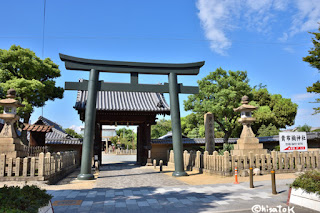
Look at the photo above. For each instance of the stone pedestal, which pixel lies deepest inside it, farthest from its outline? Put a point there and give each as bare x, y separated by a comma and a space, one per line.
10, 144
12, 147
246, 145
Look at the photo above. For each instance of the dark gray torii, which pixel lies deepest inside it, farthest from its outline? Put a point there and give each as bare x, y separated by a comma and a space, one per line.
134, 68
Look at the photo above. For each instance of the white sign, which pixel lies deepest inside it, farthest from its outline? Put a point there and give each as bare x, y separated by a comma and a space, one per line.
293, 141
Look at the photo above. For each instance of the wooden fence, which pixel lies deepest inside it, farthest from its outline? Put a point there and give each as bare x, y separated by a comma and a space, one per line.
225, 164
122, 151
49, 166
34, 151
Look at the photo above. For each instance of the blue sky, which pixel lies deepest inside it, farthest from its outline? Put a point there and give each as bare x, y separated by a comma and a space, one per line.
267, 38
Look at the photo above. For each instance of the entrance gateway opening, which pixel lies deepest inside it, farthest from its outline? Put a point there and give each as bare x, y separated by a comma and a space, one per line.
92, 118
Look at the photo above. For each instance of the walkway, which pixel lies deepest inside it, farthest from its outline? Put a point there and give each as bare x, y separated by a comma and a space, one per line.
128, 188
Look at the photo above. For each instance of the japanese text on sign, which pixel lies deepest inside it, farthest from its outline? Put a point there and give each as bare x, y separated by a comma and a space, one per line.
293, 141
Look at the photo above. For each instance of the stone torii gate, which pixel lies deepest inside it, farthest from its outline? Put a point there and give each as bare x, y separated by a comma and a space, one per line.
134, 68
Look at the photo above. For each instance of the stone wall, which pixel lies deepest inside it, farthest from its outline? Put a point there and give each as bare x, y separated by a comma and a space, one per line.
225, 164
46, 167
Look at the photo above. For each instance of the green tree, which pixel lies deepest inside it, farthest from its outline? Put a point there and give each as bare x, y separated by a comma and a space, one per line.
32, 78
162, 127
304, 128
220, 92
73, 133
193, 123
114, 140
273, 109
269, 130
127, 137
314, 60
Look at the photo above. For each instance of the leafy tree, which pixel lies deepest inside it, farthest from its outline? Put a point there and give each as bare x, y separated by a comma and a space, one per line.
304, 128
73, 133
162, 127
193, 123
314, 60
269, 130
114, 140
32, 78
273, 109
126, 137
220, 92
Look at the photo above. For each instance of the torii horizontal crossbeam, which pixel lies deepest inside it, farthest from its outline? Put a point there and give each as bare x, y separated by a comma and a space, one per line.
124, 87
75, 63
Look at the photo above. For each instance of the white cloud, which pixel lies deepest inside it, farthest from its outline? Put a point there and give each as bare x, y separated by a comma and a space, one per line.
218, 18
76, 128
303, 97
307, 17
289, 49
215, 20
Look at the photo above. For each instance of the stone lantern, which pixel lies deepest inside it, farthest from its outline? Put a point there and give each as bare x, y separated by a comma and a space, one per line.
10, 144
247, 141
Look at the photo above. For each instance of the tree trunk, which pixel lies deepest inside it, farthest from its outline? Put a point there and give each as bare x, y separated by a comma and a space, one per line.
226, 137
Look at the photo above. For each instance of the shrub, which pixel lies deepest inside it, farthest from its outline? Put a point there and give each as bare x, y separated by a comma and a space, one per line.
20, 200
309, 181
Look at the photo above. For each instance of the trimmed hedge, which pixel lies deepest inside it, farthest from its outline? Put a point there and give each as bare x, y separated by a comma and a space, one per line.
14, 199
309, 181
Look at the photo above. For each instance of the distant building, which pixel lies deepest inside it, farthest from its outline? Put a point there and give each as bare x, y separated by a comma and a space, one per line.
58, 140
107, 133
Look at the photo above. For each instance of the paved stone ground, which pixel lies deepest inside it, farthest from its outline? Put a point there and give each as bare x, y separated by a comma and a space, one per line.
128, 188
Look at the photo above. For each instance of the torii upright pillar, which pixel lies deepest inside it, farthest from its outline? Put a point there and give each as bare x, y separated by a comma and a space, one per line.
89, 129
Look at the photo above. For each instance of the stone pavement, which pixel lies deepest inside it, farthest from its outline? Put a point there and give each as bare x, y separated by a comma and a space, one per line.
129, 188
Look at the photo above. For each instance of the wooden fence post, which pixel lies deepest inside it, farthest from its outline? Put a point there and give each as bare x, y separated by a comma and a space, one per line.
17, 170
9, 174
2, 164
41, 165
25, 167
32, 166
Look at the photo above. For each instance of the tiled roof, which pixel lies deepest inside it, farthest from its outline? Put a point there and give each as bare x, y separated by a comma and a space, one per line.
68, 141
49, 123
169, 135
125, 101
37, 128
57, 135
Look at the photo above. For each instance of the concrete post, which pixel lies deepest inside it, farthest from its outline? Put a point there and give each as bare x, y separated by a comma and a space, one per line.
209, 132
87, 147
176, 126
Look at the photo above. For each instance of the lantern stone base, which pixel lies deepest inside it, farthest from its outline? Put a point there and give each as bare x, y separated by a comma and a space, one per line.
246, 145
12, 147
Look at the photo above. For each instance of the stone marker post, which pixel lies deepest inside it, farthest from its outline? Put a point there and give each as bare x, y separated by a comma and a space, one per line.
209, 132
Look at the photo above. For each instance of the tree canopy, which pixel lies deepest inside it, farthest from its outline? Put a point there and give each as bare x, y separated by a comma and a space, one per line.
73, 133
126, 138
304, 128
162, 127
274, 111
221, 92
32, 78
314, 60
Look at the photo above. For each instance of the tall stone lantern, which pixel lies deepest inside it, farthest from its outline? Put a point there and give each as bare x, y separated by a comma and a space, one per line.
10, 144
247, 141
